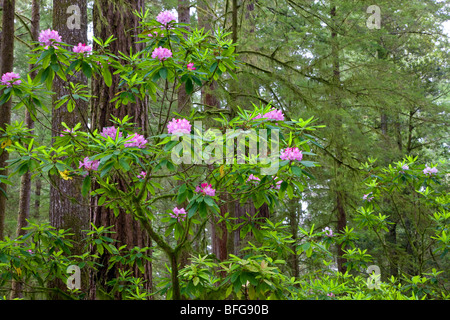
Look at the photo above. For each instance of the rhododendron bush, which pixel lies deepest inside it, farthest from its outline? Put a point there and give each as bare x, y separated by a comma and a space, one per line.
97, 157
259, 156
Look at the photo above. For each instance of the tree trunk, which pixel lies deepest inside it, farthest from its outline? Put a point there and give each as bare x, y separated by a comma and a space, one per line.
7, 60
219, 232
68, 208
25, 183
339, 175
183, 17
37, 199
209, 98
116, 18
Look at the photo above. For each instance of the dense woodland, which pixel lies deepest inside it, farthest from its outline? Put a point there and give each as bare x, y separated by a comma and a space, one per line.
351, 99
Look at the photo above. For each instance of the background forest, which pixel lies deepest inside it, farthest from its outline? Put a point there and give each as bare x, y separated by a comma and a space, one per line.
367, 105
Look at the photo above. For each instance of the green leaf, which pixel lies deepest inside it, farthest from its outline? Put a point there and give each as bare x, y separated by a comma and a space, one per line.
308, 163
45, 74
192, 210
170, 166
101, 201
213, 67
86, 187
106, 169
189, 86
107, 76
124, 164
209, 201
163, 72
296, 171
195, 281
86, 69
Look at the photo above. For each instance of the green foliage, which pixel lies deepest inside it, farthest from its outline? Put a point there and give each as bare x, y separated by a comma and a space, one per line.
407, 201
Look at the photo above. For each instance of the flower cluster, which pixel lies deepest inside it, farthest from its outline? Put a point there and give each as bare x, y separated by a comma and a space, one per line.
368, 197
206, 189
251, 177
89, 165
11, 78
161, 53
190, 66
82, 48
328, 231
137, 141
291, 154
273, 114
179, 126
155, 34
403, 168
110, 132
277, 184
70, 131
430, 171
179, 214
165, 17
142, 175
48, 37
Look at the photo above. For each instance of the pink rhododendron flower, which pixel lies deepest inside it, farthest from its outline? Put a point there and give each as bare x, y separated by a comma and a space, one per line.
68, 131
330, 294
155, 34
48, 37
206, 189
328, 231
110, 132
142, 175
273, 114
137, 141
165, 17
179, 126
430, 171
190, 66
291, 154
89, 165
161, 53
251, 177
11, 78
277, 184
82, 48
179, 214
368, 197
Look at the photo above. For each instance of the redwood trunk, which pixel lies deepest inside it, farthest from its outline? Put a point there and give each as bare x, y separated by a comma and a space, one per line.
25, 182
116, 18
7, 60
68, 208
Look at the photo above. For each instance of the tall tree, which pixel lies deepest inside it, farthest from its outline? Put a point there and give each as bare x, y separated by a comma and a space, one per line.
339, 143
209, 100
183, 17
7, 61
68, 208
117, 19
25, 184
